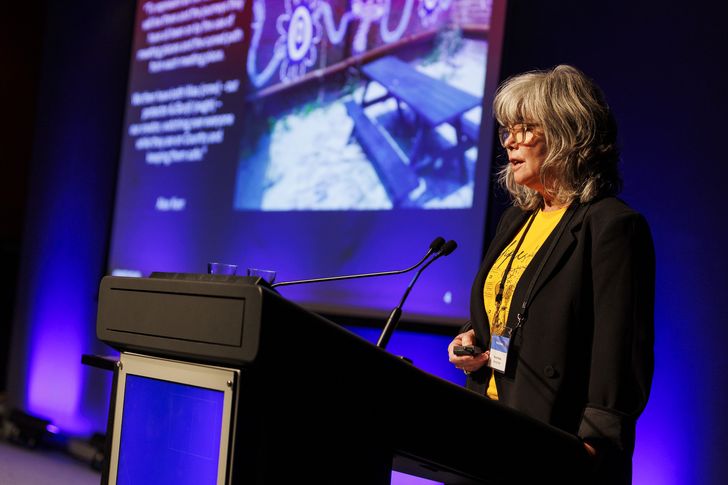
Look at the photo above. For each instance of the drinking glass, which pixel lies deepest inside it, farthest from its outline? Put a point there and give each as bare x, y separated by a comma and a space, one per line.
222, 268
266, 274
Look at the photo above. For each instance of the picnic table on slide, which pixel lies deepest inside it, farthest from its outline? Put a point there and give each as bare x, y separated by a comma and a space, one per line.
433, 102
396, 175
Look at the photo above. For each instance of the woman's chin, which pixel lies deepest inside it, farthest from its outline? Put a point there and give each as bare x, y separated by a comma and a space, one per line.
522, 179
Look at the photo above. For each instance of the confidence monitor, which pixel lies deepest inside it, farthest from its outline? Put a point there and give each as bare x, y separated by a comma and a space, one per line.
172, 422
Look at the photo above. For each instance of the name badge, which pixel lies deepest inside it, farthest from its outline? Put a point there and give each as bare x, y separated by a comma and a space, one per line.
499, 350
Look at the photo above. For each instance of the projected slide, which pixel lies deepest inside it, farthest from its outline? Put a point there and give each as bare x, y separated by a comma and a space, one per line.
293, 134
390, 120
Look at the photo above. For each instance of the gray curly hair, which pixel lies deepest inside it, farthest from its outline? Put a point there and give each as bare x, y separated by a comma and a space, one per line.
579, 130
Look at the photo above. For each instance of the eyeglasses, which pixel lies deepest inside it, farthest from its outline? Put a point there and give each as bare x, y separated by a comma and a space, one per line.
522, 133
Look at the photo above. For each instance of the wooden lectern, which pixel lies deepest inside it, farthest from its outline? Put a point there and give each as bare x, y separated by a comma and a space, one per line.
319, 404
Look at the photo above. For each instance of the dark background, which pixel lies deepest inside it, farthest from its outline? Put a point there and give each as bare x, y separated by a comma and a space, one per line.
660, 64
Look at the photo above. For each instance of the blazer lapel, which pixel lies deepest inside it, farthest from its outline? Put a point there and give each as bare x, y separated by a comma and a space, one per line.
502, 238
563, 247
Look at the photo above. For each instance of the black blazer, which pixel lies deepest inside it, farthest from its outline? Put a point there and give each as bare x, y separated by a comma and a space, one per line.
583, 359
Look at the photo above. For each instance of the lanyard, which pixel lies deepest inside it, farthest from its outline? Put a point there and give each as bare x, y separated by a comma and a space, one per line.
523, 314
501, 287
521, 317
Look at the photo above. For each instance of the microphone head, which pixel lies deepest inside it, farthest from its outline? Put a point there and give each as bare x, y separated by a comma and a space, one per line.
448, 248
437, 244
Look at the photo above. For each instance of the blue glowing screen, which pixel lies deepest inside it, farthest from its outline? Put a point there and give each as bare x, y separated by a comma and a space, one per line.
170, 433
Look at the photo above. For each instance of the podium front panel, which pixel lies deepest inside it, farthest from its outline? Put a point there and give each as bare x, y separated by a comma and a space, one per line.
172, 422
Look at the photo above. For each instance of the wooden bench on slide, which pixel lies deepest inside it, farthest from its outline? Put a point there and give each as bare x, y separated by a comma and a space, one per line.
470, 129
398, 179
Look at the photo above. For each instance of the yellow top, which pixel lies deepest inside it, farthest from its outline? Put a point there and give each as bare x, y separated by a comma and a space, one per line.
542, 226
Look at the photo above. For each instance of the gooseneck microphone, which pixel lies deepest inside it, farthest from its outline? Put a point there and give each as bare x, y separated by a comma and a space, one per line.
436, 246
393, 319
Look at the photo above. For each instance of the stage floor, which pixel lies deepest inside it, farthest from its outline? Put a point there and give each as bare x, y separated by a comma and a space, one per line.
21, 466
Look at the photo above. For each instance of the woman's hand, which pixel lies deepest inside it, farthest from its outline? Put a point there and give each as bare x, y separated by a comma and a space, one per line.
590, 449
467, 363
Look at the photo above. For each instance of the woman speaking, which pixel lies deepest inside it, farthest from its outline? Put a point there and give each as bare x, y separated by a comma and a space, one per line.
563, 303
